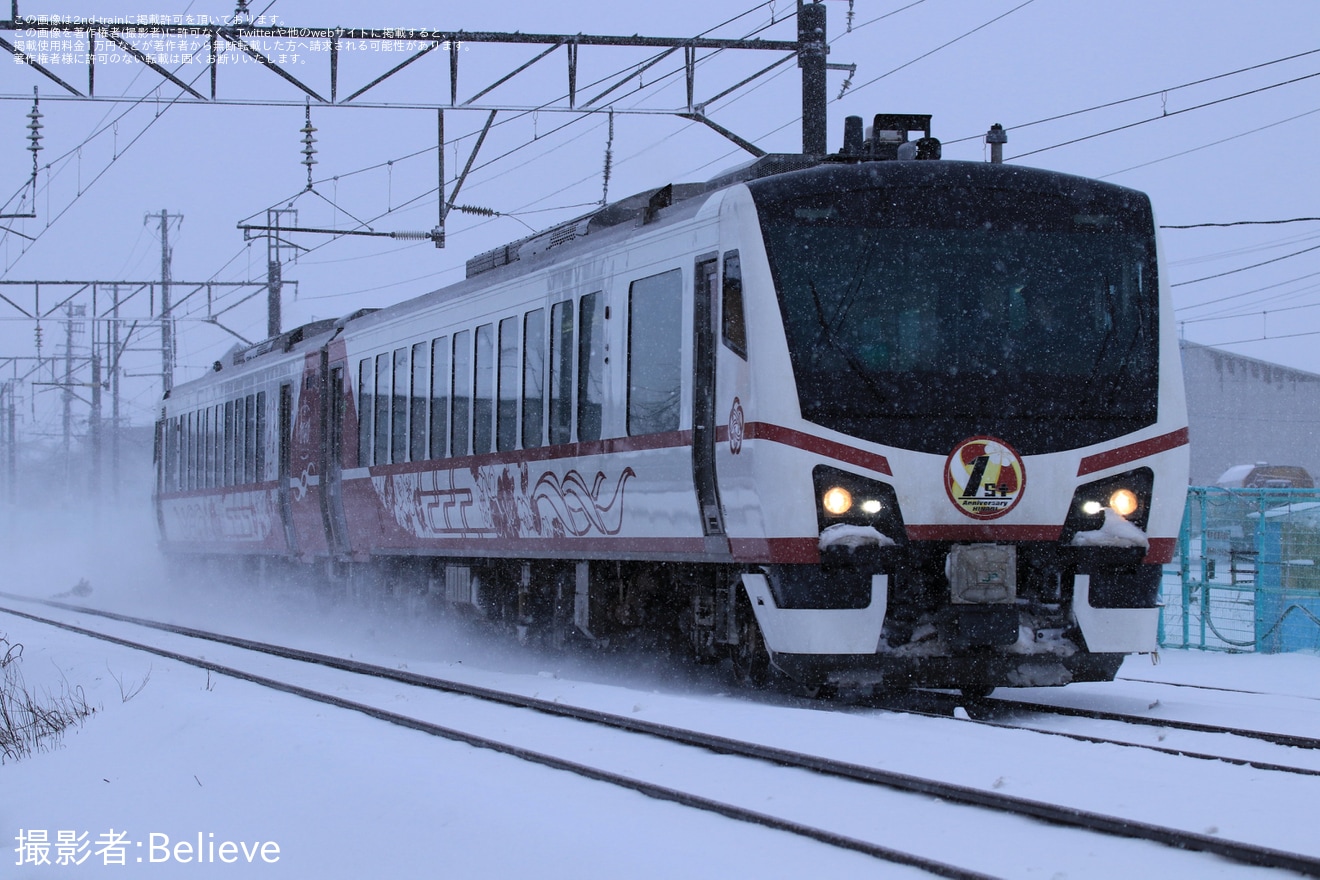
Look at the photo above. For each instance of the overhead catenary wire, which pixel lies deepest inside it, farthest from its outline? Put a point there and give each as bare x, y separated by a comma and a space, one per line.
1242, 134
1245, 268
797, 119
1143, 96
1239, 223
395, 209
1169, 114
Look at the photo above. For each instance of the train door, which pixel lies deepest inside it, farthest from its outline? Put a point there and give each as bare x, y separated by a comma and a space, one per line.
734, 407
704, 420
285, 466
332, 452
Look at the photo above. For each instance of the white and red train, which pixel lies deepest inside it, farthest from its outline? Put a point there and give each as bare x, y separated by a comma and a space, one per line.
857, 419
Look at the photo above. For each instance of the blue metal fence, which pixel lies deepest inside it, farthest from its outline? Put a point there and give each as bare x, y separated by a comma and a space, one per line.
1248, 572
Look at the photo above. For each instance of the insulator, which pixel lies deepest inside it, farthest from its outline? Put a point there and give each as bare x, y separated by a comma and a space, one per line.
475, 209
609, 160
34, 128
308, 150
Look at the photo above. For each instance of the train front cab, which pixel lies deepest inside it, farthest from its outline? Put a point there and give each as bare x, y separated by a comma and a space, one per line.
983, 444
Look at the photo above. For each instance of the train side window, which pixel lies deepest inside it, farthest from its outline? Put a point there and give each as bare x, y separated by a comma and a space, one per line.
461, 433
439, 396
240, 439
506, 411
220, 444
181, 468
180, 453
228, 476
195, 449
204, 478
533, 394
234, 461
380, 447
213, 414
399, 407
199, 449
734, 325
561, 372
655, 344
421, 374
591, 366
187, 451
365, 408
204, 447
250, 444
167, 456
483, 394
259, 453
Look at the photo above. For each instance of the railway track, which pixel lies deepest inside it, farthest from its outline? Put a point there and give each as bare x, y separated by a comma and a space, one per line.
1024, 715
988, 805
1289, 740
1208, 687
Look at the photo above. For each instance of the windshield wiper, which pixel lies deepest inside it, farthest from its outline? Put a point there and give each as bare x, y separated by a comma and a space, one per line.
849, 356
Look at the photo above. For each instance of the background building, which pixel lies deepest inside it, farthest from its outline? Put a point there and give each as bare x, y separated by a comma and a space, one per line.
1242, 410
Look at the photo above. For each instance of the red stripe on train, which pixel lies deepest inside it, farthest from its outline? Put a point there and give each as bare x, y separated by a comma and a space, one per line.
818, 445
1115, 457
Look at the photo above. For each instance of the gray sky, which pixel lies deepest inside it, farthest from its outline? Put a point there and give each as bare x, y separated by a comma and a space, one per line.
970, 63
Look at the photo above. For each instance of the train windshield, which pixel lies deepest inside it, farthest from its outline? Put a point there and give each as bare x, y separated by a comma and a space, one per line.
918, 317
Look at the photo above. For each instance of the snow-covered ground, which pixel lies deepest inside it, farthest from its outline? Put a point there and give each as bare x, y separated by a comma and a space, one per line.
342, 795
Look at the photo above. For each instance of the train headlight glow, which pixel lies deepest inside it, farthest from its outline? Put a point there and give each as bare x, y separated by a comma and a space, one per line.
1091, 508
871, 505
837, 501
1124, 502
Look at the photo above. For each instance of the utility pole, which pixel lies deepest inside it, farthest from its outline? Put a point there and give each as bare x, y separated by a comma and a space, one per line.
274, 273
67, 395
8, 425
811, 58
94, 426
113, 364
166, 319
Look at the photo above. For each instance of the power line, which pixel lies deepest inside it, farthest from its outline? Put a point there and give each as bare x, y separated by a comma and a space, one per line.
1145, 95
1167, 115
1261, 312
854, 89
1263, 338
1211, 302
1245, 268
1240, 223
941, 46
1211, 144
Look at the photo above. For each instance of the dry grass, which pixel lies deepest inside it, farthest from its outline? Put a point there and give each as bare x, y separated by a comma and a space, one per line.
31, 722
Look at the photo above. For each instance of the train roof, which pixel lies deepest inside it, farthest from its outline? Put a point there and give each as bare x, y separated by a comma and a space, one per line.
640, 209
772, 175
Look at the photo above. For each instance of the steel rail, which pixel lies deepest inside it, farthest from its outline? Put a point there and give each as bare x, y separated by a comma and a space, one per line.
1279, 739
1238, 851
954, 702
1211, 687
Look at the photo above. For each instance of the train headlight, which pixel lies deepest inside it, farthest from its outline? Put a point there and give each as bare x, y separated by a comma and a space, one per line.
837, 500
1128, 494
1124, 502
872, 505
